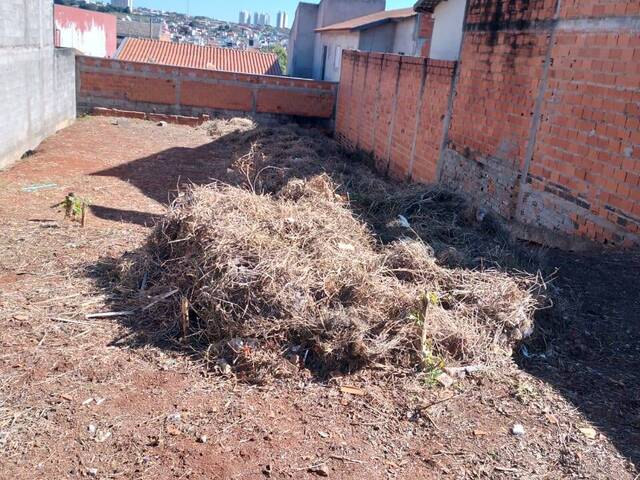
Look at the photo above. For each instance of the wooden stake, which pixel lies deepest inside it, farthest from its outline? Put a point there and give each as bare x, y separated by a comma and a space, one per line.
84, 214
184, 320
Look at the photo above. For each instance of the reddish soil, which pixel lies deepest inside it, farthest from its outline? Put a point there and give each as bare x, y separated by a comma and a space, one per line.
78, 395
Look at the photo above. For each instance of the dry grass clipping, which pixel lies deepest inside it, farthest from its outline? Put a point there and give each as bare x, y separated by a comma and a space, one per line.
220, 127
297, 275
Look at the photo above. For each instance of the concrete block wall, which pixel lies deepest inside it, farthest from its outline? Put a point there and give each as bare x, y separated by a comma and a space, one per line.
37, 82
185, 91
393, 107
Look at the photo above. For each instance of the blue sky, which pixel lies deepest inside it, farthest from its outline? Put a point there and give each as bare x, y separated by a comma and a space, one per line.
229, 9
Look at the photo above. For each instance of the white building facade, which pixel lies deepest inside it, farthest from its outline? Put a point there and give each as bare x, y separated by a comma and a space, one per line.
123, 4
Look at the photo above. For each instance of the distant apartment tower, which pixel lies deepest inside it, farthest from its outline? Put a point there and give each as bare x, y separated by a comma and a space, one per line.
123, 4
244, 18
256, 18
282, 20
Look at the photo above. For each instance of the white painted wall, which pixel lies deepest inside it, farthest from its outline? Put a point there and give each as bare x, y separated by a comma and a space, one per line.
37, 82
335, 11
336, 42
405, 41
393, 37
92, 42
447, 30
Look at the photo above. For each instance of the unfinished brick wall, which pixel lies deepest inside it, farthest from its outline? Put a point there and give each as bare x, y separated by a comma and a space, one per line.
392, 107
186, 91
493, 112
584, 176
544, 127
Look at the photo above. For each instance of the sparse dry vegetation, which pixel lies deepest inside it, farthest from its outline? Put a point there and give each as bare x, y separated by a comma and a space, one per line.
285, 265
128, 397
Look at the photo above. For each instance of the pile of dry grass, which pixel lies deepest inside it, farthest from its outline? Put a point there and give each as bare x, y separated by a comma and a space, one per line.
221, 127
270, 157
294, 273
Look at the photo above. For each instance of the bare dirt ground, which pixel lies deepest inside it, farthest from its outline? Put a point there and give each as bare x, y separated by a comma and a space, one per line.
104, 398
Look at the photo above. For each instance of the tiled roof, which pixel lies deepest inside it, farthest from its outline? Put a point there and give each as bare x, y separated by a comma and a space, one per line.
194, 56
139, 29
368, 21
426, 6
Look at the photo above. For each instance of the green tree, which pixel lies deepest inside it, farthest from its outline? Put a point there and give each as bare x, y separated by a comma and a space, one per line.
281, 52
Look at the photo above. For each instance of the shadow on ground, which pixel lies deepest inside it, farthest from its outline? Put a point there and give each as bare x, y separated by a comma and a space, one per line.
589, 349
592, 355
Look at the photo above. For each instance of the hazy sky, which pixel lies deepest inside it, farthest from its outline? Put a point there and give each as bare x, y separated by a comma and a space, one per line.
229, 9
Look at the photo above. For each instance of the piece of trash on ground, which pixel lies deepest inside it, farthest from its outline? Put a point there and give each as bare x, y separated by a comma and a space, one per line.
36, 187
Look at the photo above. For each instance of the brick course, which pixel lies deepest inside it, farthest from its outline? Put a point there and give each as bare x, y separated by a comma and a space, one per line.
182, 91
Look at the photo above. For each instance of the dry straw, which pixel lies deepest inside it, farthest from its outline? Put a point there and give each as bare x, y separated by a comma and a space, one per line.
302, 261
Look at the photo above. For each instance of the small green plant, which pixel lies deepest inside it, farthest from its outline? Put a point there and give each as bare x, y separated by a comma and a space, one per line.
431, 378
432, 364
74, 207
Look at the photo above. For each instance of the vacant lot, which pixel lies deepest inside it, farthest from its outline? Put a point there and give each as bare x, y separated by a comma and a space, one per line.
124, 398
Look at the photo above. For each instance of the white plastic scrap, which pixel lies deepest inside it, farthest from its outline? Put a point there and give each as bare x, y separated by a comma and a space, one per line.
517, 430
404, 223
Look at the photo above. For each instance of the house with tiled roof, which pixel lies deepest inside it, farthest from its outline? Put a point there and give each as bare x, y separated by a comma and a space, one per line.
195, 56
390, 31
305, 51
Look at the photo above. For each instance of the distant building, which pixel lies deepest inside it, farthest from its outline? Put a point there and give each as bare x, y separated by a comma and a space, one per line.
256, 18
195, 56
391, 31
123, 4
91, 33
245, 18
448, 20
267, 19
282, 20
305, 51
135, 29
262, 19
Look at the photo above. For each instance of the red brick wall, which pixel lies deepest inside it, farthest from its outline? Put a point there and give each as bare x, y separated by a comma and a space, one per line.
386, 109
425, 32
185, 91
543, 127
492, 115
431, 124
545, 120
392, 107
586, 162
